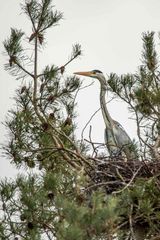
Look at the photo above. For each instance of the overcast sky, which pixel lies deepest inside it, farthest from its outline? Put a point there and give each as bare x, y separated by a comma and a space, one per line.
110, 34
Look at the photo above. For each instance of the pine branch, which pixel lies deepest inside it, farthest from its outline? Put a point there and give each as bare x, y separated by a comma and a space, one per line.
149, 54
75, 54
23, 69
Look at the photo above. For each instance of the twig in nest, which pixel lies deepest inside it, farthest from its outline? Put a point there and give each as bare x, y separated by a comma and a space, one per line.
128, 184
90, 138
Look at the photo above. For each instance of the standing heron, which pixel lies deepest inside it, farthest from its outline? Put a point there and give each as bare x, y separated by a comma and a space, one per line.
117, 140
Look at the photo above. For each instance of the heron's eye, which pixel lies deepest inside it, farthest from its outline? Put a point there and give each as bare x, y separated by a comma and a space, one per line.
96, 71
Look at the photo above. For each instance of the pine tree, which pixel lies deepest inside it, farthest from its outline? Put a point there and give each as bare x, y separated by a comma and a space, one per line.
141, 92
48, 201
65, 194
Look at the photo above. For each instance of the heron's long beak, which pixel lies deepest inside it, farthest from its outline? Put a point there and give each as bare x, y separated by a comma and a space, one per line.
87, 74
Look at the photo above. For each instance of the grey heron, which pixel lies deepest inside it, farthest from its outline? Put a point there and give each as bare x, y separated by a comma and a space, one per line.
117, 140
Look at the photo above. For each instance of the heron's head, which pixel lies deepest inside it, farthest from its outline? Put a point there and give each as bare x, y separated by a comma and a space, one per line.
93, 74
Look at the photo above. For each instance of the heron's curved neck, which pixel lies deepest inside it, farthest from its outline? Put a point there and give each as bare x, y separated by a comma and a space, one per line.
107, 118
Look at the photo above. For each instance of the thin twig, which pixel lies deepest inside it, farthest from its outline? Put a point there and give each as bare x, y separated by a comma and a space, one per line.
128, 184
32, 21
63, 66
75, 56
82, 133
24, 70
89, 122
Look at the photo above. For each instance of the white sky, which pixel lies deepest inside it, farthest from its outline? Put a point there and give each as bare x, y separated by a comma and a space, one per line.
110, 34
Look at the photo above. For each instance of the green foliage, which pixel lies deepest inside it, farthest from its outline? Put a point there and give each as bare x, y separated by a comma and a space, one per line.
149, 54
33, 199
52, 199
36, 209
56, 100
141, 92
41, 129
143, 198
41, 14
88, 222
13, 44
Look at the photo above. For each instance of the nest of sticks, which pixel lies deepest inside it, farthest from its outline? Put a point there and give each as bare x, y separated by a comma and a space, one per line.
115, 174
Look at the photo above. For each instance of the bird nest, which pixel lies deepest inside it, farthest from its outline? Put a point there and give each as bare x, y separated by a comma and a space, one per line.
117, 175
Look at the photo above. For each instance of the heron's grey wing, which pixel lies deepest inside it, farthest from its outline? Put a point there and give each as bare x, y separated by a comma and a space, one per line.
124, 142
110, 143
121, 135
